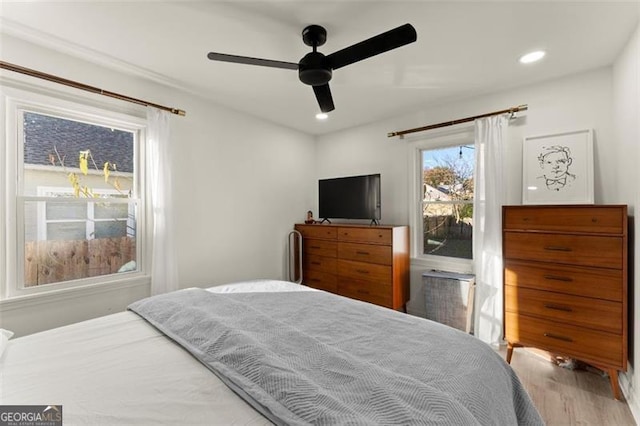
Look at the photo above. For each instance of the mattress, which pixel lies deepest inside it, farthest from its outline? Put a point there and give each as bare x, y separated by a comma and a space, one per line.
119, 369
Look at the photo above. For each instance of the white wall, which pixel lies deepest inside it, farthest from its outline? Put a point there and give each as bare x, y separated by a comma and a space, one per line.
575, 102
626, 119
240, 185
571, 103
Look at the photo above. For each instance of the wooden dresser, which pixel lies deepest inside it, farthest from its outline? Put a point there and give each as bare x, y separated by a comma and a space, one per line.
565, 282
369, 263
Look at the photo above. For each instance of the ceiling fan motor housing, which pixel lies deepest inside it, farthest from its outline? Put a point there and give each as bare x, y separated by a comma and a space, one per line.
314, 70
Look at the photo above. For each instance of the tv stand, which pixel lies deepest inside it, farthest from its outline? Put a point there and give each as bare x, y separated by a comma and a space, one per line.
374, 222
358, 261
323, 220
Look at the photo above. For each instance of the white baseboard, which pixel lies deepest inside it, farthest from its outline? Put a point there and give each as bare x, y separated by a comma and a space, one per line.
627, 390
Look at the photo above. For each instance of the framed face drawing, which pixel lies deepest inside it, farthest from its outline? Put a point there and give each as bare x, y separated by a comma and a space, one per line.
558, 168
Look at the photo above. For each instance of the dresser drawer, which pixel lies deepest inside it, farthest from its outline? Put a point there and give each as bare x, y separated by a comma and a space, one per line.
364, 271
579, 281
320, 280
365, 253
603, 220
320, 263
317, 231
580, 311
371, 235
582, 250
375, 292
320, 247
593, 346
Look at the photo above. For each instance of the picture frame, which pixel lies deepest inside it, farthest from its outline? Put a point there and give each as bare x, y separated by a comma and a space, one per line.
558, 168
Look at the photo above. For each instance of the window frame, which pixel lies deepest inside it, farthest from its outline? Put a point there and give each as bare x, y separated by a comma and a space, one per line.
32, 99
446, 138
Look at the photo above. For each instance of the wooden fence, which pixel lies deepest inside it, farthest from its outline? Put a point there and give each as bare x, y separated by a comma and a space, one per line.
55, 261
446, 227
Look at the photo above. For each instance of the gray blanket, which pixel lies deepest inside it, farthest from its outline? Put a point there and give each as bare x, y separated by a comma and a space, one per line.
314, 358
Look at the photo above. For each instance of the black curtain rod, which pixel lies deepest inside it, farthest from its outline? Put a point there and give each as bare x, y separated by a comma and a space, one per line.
401, 133
81, 86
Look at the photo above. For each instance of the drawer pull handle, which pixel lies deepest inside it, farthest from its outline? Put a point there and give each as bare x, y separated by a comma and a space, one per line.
361, 291
557, 248
557, 278
315, 263
314, 247
555, 336
558, 307
315, 280
364, 253
362, 271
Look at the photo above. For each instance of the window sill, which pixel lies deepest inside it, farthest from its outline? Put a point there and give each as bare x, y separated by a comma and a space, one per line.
464, 266
19, 302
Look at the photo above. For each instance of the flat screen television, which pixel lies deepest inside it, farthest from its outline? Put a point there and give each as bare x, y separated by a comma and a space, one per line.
351, 197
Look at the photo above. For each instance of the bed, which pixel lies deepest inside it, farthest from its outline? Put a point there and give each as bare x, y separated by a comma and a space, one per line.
262, 352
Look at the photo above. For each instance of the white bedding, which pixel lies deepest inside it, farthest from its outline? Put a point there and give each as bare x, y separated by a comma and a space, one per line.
257, 286
119, 370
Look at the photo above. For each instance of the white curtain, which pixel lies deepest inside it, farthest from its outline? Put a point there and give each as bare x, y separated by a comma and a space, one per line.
164, 270
489, 197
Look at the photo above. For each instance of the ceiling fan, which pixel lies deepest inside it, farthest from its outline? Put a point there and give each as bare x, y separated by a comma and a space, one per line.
315, 69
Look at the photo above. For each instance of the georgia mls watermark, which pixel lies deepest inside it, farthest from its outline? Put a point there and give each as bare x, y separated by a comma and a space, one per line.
30, 415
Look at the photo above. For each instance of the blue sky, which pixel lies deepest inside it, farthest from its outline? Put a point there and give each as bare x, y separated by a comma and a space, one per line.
437, 157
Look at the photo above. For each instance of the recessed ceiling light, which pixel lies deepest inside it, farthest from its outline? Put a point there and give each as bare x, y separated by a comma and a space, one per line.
532, 57
322, 116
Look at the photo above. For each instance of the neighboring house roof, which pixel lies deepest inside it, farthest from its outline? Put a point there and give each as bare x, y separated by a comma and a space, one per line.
435, 194
44, 135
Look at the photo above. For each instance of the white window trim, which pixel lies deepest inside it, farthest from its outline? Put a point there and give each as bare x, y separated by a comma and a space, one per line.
452, 136
79, 109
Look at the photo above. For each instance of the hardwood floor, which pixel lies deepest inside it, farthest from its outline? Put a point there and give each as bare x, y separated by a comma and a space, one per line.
568, 397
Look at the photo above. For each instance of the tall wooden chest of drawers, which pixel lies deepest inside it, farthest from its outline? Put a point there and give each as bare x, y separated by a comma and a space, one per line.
369, 263
565, 282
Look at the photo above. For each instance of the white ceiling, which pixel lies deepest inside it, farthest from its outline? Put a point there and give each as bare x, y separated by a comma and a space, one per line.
463, 49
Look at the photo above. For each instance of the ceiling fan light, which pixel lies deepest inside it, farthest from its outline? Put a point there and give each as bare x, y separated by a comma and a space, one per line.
532, 57
322, 116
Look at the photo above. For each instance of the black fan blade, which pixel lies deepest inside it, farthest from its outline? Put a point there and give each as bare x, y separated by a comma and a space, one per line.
323, 95
384, 42
251, 61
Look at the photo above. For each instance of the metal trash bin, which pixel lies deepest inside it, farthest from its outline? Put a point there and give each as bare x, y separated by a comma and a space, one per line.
449, 298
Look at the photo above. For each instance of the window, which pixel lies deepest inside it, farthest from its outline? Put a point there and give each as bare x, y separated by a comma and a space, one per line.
442, 219
447, 201
77, 201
